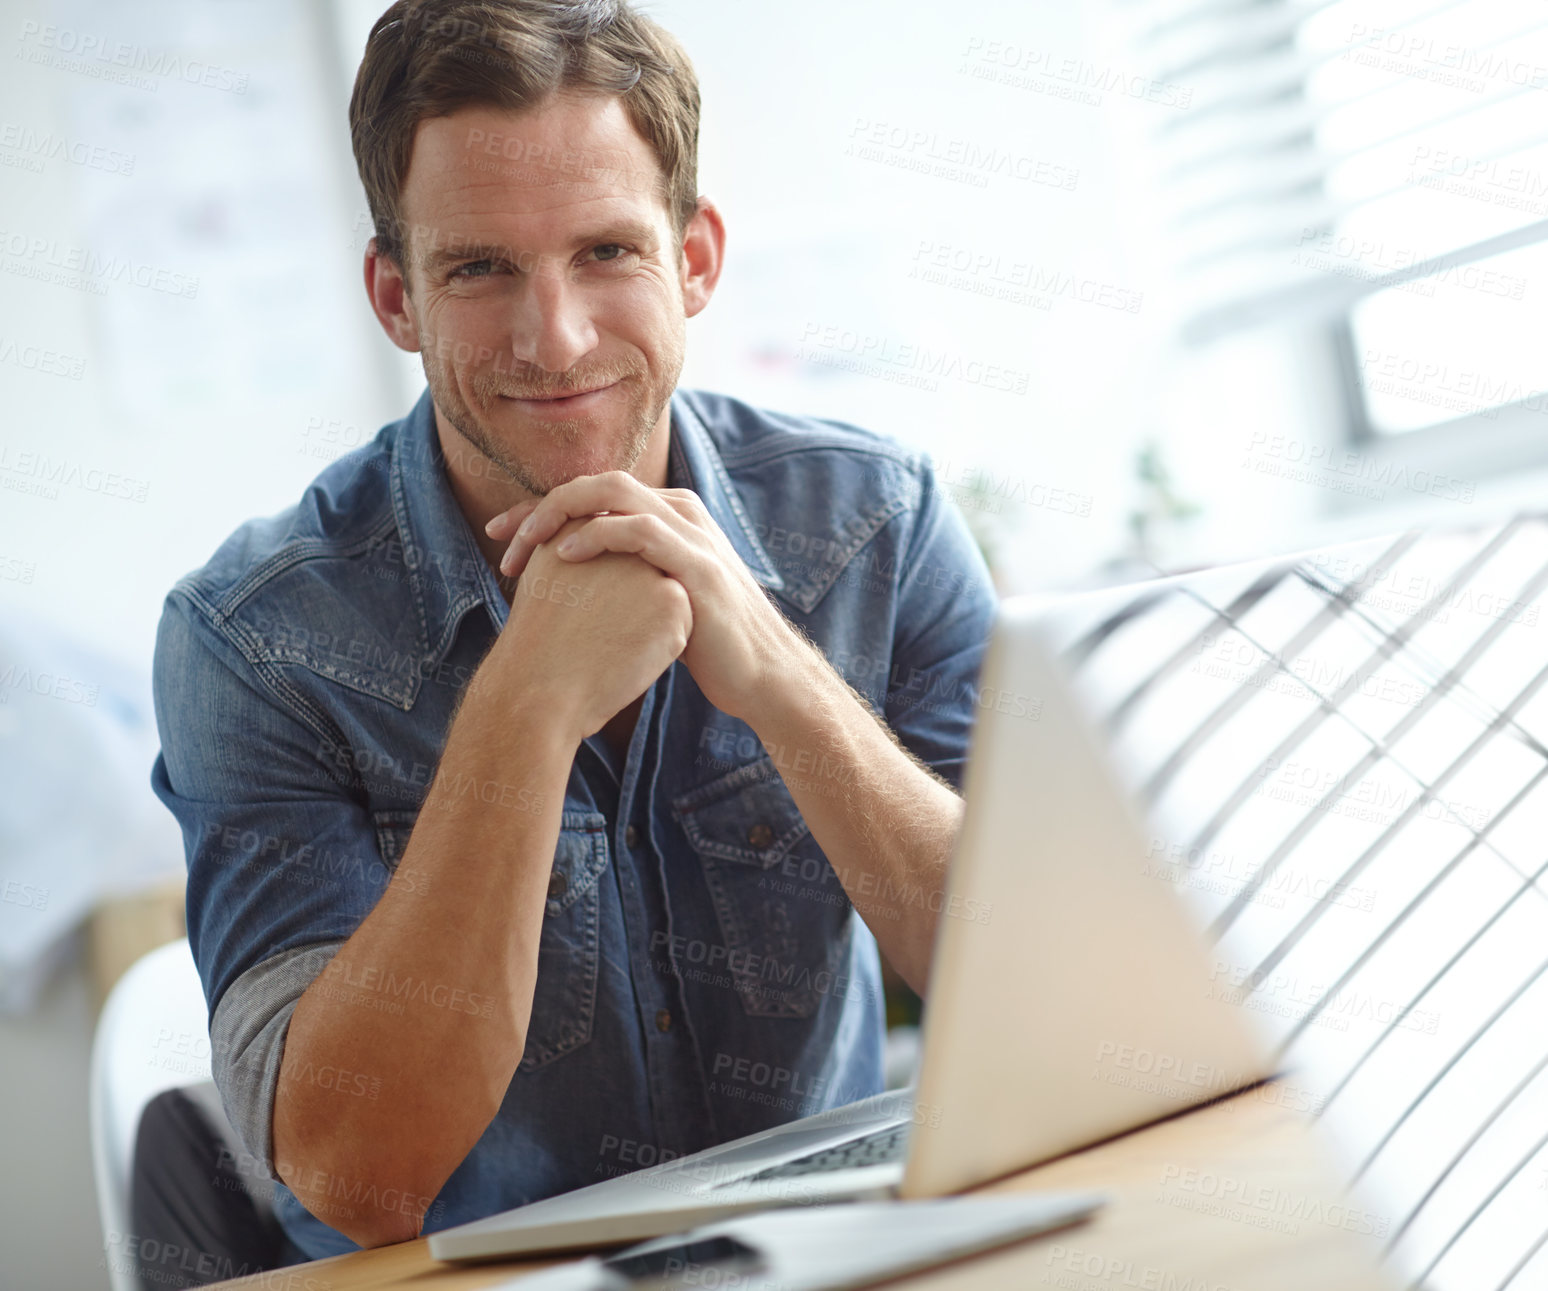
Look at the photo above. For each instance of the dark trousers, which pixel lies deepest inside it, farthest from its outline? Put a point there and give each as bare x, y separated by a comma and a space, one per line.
194, 1218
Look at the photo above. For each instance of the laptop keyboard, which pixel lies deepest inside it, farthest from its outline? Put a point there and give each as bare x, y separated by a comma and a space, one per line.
880, 1147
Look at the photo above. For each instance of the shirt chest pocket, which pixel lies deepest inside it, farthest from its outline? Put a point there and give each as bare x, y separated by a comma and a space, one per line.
565, 1000
782, 913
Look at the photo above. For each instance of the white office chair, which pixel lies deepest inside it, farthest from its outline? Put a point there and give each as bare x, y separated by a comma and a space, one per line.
153, 1035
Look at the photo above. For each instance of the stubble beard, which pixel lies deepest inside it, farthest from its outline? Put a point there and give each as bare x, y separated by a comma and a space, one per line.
648, 401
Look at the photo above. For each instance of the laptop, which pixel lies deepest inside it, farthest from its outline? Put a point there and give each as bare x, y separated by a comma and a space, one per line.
1071, 1003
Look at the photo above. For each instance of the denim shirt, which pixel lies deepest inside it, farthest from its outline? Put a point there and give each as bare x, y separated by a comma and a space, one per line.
701, 973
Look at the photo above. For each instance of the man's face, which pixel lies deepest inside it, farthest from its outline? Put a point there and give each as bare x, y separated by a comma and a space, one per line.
545, 285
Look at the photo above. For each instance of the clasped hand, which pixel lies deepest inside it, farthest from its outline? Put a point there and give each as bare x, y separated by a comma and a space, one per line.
738, 637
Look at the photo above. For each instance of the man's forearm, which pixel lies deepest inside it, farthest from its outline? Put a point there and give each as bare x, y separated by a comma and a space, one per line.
430, 998
885, 821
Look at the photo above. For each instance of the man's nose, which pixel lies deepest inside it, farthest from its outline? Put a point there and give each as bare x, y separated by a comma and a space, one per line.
552, 326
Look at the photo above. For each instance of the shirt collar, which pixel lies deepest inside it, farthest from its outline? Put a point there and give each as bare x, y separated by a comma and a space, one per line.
694, 462
446, 570
448, 573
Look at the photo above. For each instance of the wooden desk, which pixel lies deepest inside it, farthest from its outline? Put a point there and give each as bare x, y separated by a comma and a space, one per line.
1237, 1196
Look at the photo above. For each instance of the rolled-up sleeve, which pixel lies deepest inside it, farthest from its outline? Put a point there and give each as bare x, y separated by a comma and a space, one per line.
946, 610
283, 862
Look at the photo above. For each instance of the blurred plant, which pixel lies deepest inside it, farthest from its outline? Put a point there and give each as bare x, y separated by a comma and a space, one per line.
979, 507
1160, 507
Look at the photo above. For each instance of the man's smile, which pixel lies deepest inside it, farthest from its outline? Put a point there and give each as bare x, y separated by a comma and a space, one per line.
561, 404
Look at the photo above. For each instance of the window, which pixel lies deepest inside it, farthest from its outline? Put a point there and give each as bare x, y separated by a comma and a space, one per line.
1380, 170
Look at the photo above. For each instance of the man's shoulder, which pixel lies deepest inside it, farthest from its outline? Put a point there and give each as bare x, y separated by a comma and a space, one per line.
322, 584
830, 503
746, 435
344, 513
813, 474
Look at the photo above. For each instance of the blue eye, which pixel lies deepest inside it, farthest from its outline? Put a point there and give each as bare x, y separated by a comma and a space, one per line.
474, 269
608, 251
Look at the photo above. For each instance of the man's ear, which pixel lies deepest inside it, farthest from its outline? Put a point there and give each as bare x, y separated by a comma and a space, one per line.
704, 253
388, 292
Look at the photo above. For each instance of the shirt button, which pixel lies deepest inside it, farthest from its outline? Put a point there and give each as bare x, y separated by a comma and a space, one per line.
631, 836
760, 836
557, 885
663, 1020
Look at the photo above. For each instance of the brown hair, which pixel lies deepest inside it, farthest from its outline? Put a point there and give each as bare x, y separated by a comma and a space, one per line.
428, 58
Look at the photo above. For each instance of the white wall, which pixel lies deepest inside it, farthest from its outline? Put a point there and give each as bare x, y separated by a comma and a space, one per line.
199, 388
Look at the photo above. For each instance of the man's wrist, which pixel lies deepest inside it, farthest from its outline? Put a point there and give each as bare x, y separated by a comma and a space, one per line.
798, 683
542, 708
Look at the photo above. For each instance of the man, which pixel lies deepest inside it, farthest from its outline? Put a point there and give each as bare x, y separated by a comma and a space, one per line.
531, 838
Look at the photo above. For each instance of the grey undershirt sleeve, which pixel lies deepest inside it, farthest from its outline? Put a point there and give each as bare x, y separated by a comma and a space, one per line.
247, 1040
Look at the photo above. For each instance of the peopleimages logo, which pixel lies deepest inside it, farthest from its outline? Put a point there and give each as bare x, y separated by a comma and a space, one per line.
29, 471
37, 358
1026, 67
51, 685
1346, 470
1486, 179
950, 157
39, 147
1424, 57
32, 256
1018, 282
870, 354
95, 55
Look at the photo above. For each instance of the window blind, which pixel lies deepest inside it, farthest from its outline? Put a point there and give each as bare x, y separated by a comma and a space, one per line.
1334, 152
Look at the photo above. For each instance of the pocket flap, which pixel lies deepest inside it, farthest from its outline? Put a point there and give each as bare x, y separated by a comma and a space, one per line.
579, 859
745, 815
392, 833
